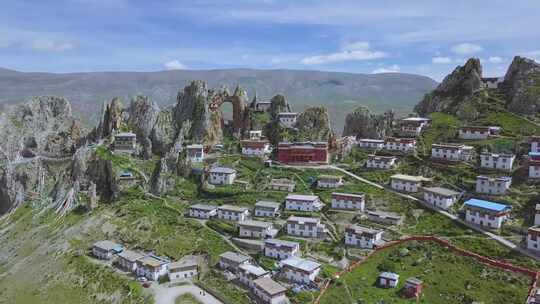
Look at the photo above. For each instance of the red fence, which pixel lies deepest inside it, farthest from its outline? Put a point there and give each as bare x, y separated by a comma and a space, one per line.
429, 238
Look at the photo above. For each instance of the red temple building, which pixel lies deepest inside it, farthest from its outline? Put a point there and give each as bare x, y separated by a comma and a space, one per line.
303, 153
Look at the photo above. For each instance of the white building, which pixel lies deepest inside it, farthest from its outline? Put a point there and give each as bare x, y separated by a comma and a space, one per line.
298, 270
297, 202
382, 217
363, 237
534, 168
282, 184
440, 197
203, 211
248, 273
287, 119
535, 144
258, 148
452, 152
195, 153
413, 126
222, 176
152, 267
406, 183
493, 185
267, 209
309, 227
503, 162
105, 250
533, 238
125, 142
233, 213
485, 213
388, 280
255, 134
374, 144
232, 260
348, 201
492, 82
279, 249
329, 181
184, 269
404, 145
537, 215
127, 260
269, 291
256, 229
475, 132
381, 162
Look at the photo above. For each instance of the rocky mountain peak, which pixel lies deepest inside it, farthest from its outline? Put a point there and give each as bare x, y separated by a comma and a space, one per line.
521, 86
362, 123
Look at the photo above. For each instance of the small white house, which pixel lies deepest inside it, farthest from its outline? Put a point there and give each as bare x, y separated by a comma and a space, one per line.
203, 211
485, 213
287, 119
105, 250
258, 148
440, 197
282, 184
535, 144
329, 181
388, 280
475, 132
309, 203
248, 273
406, 183
269, 291
184, 269
452, 152
493, 185
381, 162
255, 134
537, 215
404, 145
280, 249
306, 227
363, 237
533, 238
125, 142
256, 229
222, 176
534, 168
503, 162
127, 260
413, 126
233, 213
267, 209
348, 201
232, 260
372, 144
195, 153
299, 270
152, 267
386, 218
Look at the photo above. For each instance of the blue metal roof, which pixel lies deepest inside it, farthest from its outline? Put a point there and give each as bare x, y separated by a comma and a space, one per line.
486, 205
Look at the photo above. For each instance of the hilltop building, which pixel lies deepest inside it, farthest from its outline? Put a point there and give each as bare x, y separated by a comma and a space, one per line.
348, 201
475, 132
503, 162
493, 185
440, 197
485, 213
381, 162
298, 202
309, 227
363, 237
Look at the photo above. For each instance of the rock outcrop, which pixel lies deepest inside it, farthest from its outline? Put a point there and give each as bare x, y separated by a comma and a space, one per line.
455, 91
111, 119
313, 125
521, 86
361, 123
159, 182
278, 104
141, 119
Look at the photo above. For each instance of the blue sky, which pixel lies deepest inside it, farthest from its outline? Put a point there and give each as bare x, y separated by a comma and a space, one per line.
427, 37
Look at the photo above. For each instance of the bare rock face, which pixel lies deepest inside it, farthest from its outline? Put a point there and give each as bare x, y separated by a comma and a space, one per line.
521, 86
141, 119
363, 124
313, 125
16, 181
454, 90
111, 119
159, 183
278, 104
42, 126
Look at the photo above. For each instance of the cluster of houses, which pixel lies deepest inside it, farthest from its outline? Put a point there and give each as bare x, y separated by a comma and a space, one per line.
149, 266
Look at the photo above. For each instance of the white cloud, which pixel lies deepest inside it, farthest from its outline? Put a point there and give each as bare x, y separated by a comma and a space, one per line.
391, 69
495, 59
441, 60
352, 51
466, 48
175, 65
51, 45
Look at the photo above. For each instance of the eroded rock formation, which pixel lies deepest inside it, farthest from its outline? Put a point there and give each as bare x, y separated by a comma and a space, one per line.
361, 123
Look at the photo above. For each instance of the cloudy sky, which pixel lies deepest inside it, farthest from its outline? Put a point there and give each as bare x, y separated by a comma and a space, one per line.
428, 37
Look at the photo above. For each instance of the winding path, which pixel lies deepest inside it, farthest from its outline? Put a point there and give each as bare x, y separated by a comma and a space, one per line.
168, 295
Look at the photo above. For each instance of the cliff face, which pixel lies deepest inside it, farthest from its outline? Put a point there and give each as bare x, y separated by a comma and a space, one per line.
454, 91
363, 124
313, 125
521, 86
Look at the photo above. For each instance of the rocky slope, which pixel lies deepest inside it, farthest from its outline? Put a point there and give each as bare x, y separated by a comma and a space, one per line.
454, 92
521, 86
313, 125
362, 123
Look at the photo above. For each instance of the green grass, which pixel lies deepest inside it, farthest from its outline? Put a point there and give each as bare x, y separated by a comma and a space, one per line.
187, 299
448, 278
215, 281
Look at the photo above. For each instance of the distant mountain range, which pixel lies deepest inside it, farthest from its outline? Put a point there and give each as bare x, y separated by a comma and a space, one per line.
340, 92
